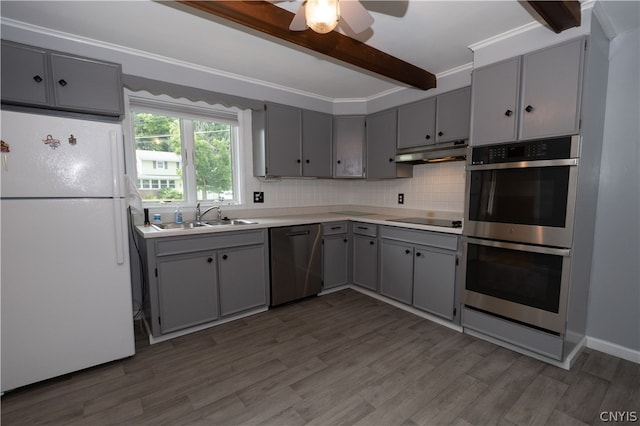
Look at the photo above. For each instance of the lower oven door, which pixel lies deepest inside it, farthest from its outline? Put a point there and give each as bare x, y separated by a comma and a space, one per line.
525, 283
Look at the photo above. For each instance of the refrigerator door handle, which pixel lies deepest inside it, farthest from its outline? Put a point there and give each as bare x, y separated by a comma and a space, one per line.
118, 212
115, 162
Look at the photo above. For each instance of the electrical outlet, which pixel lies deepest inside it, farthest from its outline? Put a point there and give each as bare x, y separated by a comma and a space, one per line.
258, 197
400, 198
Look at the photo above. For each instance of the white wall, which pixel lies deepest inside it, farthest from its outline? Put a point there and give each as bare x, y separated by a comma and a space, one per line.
614, 299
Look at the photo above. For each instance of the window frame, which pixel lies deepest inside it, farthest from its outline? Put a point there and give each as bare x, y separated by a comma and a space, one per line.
186, 111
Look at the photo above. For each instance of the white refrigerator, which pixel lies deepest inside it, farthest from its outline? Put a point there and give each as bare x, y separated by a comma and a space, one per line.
65, 279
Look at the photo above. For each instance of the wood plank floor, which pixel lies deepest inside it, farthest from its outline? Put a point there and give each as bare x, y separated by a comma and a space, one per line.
344, 359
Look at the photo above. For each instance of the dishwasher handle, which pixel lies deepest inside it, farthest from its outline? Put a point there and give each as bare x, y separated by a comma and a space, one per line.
297, 234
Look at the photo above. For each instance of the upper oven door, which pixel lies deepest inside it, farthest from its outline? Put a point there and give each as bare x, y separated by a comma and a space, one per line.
527, 201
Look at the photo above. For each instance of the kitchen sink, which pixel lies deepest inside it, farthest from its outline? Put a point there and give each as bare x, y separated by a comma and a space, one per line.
207, 224
231, 222
183, 225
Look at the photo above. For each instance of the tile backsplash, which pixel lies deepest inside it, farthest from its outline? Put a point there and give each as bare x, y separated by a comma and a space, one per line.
435, 187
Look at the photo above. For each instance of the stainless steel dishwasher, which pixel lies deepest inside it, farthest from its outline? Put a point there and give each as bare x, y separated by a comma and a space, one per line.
296, 262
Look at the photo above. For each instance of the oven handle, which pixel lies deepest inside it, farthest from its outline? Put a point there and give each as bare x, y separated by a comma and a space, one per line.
521, 247
523, 164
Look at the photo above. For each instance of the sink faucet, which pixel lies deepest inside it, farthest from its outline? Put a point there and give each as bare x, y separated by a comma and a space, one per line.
200, 215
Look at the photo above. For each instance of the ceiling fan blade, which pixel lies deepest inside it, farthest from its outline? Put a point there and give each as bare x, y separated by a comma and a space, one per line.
299, 22
355, 15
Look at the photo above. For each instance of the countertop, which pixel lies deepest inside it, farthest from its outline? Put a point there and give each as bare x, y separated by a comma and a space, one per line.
378, 218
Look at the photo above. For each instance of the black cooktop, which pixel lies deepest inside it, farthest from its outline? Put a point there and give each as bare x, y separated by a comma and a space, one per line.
447, 223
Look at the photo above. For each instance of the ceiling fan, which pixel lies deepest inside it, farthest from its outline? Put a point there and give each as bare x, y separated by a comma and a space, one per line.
322, 16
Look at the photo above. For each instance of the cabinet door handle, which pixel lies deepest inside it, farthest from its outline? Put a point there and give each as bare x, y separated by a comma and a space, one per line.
37, 78
371, 243
210, 259
363, 227
508, 113
529, 108
62, 82
440, 133
428, 137
335, 227
307, 161
338, 161
298, 161
407, 251
418, 254
391, 160
225, 257
345, 240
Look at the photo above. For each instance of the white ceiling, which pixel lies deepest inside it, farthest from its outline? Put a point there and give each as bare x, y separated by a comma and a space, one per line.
433, 35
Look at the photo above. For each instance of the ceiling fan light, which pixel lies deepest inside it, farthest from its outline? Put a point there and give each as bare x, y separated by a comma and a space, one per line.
322, 15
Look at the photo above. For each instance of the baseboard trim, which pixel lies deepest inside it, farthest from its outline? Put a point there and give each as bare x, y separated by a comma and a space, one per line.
407, 308
613, 349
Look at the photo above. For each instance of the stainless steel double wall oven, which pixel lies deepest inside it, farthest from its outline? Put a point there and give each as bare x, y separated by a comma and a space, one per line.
519, 230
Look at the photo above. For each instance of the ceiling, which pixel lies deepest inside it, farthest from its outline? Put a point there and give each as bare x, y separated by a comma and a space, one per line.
433, 35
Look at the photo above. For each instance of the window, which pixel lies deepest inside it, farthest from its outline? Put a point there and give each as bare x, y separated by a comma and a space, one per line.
184, 153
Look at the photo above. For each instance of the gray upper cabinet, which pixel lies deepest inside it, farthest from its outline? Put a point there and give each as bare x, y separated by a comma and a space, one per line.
291, 142
453, 112
24, 75
86, 85
349, 146
277, 141
495, 102
417, 124
40, 78
534, 96
381, 147
551, 91
316, 144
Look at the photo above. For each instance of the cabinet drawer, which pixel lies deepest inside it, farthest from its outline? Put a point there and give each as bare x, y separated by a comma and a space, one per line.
362, 228
334, 228
194, 243
425, 238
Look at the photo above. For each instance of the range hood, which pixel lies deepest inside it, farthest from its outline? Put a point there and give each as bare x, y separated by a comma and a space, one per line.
438, 153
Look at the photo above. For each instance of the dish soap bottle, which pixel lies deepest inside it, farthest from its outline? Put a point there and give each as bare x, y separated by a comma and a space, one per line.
178, 214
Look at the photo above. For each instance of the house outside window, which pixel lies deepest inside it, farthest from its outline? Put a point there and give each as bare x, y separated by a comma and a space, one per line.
184, 154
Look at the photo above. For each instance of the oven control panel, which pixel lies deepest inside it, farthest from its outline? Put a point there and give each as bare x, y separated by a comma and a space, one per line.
547, 149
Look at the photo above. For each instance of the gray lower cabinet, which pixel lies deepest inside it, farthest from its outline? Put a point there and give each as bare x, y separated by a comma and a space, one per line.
336, 250
396, 270
196, 279
242, 279
419, 268
365, 255
35, 77
434, 281
188, 291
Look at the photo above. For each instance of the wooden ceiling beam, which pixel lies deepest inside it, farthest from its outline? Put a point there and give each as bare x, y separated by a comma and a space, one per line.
274, 21
559, 15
